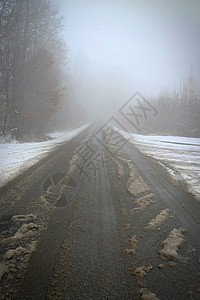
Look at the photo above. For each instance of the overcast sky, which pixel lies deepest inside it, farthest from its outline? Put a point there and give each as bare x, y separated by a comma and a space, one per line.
142, 45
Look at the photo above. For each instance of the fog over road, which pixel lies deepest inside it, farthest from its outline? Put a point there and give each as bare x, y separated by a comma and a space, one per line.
97, 219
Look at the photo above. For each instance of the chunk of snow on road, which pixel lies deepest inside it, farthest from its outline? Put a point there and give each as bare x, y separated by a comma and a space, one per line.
30, 226
135, 184
138, 186
142, 271
147, 295
21, 251
26, 230
129, 251
18, 257
32, 246
142, 203
133, 242
24, 218
15, 252
172, 243
161, 217
16, 158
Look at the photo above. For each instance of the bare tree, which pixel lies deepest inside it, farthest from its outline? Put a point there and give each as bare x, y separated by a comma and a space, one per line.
32, 56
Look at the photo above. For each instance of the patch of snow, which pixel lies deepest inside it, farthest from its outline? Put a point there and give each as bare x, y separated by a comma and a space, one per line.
147, 295
135, 184
172, 243
142, 203
17, 157
138, 186
15, 252
179, 155
161, 217
32, 246
142, 271
26, 230
133, 242
24, 218
129, 251
17, 258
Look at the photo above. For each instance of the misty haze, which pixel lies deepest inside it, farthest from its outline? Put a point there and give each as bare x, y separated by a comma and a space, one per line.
99, 149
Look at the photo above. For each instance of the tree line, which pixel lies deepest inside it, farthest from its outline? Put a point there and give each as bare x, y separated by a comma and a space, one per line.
32, 65
178, 110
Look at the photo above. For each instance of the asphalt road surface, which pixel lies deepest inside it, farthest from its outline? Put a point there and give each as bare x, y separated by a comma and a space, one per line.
96, 219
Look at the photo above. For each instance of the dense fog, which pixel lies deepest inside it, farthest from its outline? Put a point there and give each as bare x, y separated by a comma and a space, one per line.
120, 47
64, 63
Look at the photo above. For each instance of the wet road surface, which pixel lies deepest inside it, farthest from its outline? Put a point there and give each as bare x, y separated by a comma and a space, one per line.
94, 220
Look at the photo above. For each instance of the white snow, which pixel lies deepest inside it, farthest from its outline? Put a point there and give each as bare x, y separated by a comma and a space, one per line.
17, 157
180, 155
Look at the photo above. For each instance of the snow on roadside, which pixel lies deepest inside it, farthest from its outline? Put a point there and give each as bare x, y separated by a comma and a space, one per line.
16, 157
179, 155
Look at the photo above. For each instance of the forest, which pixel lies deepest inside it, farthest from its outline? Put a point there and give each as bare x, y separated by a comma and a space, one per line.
178, 110
32, 67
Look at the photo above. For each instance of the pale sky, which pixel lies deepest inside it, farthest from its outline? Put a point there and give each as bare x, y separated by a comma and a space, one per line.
137, 44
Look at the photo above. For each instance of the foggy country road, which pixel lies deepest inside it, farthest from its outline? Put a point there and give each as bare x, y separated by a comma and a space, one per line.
99, 149
94, 221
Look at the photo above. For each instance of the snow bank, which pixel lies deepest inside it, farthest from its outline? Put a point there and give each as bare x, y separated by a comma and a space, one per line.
180, 155
16, 158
